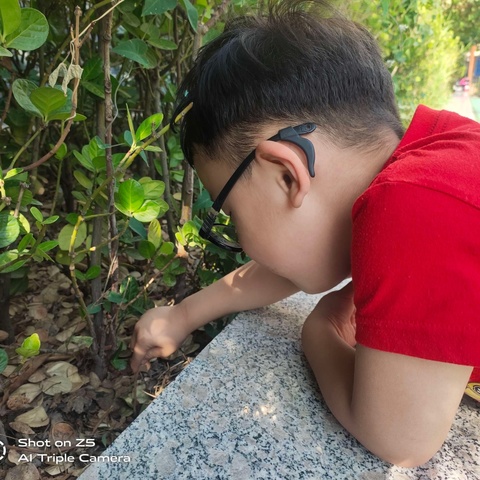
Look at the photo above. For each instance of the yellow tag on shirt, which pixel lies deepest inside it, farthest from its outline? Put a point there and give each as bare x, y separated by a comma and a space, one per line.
473, 390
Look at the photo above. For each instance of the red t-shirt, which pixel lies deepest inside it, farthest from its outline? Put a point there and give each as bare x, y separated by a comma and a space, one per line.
416, 245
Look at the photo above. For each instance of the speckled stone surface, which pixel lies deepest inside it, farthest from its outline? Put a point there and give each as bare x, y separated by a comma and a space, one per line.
248, 408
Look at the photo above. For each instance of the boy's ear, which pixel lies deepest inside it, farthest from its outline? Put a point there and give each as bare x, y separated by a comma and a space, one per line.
289, 165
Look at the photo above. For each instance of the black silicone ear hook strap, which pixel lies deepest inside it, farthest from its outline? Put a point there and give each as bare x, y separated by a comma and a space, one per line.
289, 134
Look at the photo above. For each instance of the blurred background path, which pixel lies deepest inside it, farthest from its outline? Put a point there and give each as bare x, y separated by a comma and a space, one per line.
462, 103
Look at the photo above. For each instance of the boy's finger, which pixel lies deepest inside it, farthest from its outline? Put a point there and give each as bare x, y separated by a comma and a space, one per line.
140, 356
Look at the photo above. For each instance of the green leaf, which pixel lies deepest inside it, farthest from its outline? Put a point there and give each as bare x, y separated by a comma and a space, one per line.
83, 180
15, 266
7, 257
129, 197
93, 272
86, 162
162, 44
148, 126
32, 32
10, 16
14, 193
136, 50
21, 91
157, 7
146, 249
149, 211
119, 363
161, 261
25, 242
50, 220
48, 245
3, 360
137, 227
92, 68
37, 214
115, 297
65, 110
130, 126
47, 100
13, 172
65, 235
155, 233
30, 346
94, 88
167, 248
93, 309
9, 229
61, 152
153, 189
192, 14
5, 53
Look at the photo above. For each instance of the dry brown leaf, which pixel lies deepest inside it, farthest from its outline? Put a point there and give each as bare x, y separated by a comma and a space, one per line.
13, 456
37, 312
9, 369
58, 469
94, 380
37, 417
23, 396
60, 368
24, 471
66, 334
62, 431
56, 384
3, 335
37, 377
21, 427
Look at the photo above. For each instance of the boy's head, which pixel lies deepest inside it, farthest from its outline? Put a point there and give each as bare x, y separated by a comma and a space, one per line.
262, 74
299, 62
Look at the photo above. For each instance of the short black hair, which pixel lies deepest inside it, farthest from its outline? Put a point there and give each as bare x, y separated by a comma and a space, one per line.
300, 61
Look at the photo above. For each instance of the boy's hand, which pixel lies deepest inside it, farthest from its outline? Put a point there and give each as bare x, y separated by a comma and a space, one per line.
159, 333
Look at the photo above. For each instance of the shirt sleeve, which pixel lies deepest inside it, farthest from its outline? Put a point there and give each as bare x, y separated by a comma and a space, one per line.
416, 273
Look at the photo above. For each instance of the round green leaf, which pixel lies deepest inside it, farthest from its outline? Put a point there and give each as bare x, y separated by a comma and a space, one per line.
31, 33
47, 100
3, 360
9, 229
21, 91
129, 197
153, 189
10, 15
65, 235
146, 249
148, 211
93, 272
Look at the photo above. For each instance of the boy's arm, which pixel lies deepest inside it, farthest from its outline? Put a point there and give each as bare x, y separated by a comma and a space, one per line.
399, 407
250, 286
161, 331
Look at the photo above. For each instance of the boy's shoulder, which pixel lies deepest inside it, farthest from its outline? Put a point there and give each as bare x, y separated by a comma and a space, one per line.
439, 152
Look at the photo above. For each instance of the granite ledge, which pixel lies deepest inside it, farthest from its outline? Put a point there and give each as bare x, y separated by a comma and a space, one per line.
248, 408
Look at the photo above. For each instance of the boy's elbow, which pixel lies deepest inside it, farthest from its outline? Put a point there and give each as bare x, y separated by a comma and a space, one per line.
407, 457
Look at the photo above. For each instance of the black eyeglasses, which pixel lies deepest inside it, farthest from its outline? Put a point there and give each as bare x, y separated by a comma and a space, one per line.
221, 235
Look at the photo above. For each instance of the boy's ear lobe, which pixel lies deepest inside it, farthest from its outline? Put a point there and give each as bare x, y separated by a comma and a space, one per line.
289, 167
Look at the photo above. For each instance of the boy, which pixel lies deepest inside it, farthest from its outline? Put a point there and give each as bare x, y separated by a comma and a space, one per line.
332, 187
